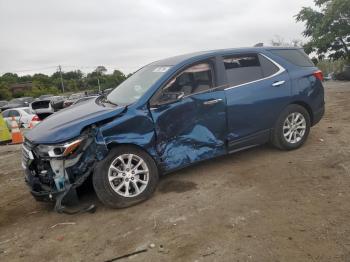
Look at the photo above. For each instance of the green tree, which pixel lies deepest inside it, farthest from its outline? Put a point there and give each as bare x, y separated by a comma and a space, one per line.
328, 28
41, 80
39, 90
9, 78
101, 70
73, 81
5, 94
26, 78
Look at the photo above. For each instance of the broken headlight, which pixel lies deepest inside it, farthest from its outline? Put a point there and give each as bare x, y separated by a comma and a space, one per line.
60, 150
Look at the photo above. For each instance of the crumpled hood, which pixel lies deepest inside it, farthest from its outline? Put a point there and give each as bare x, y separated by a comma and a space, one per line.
68, 123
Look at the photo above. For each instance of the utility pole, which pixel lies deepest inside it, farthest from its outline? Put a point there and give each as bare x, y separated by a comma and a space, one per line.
99, 87
62, 85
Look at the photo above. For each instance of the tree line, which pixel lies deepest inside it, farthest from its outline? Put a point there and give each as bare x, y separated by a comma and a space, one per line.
327, 29
73, 81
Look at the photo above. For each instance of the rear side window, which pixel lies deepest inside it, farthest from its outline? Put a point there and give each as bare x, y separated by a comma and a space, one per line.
268, 68
242, 68
294, 56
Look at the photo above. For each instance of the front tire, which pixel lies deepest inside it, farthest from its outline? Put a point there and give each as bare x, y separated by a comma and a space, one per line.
127, 176
292, 128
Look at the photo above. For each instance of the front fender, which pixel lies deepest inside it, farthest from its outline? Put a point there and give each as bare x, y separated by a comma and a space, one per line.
135, 127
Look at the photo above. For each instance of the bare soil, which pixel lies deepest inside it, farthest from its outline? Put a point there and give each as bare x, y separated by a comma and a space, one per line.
258, 205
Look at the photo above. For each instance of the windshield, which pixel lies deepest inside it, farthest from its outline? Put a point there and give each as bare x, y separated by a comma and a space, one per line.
136, 85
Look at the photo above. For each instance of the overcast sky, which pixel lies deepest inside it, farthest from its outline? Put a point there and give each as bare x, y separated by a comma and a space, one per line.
38, 35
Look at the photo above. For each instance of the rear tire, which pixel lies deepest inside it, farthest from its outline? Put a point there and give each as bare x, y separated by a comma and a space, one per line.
127, 176
292, 128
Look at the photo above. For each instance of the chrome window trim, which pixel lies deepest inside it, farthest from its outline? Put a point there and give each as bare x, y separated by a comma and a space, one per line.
281, 70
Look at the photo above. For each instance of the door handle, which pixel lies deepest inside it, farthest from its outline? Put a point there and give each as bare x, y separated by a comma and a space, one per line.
278, 83
213, 101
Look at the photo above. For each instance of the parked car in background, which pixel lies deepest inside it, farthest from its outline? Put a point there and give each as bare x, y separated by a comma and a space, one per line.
57, 102
19, 102
72, 98
329, 77
171, 114
47, 105
3, 104
43, 97
86, 98
23, 116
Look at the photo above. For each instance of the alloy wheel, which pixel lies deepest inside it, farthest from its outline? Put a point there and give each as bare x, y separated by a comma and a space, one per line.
128, 175
294, 127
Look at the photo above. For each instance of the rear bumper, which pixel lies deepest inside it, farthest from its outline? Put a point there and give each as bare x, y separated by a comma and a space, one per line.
317, 115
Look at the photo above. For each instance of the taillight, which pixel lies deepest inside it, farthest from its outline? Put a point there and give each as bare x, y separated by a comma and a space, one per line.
318, 74
35, 118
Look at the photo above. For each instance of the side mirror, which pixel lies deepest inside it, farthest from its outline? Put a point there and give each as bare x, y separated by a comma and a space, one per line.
165, 98
172, 96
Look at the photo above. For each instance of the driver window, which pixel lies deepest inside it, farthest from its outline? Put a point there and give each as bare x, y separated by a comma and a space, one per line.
195, 79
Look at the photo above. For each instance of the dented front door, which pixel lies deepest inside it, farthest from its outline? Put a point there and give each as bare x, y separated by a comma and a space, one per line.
191, 129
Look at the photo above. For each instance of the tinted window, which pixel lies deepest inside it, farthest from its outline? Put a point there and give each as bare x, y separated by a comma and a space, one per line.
242, 68
268, 68
294, 56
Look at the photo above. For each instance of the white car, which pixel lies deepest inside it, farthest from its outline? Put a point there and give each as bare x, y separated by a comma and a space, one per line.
46, 105
23, 115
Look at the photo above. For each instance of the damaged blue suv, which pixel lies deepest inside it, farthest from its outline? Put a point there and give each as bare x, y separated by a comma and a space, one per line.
170, 114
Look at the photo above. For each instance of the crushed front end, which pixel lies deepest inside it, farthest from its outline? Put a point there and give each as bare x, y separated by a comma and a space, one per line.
54, 171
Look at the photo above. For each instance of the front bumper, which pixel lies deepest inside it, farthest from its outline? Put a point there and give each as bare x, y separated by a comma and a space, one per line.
48, 178
36, 188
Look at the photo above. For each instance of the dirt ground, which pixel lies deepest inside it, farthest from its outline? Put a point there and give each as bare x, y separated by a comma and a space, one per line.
258, 205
